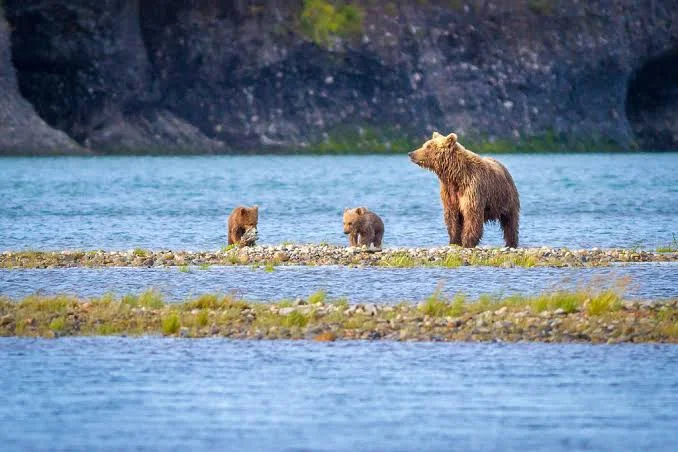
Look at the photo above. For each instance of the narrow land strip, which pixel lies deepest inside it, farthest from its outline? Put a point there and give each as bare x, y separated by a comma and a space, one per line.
568, 316
447, 256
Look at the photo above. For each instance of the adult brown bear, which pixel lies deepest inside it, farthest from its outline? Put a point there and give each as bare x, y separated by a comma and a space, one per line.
473, 190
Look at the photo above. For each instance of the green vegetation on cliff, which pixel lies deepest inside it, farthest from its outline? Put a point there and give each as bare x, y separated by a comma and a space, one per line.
321, 20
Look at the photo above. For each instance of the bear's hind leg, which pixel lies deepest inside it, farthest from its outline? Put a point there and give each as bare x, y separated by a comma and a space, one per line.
472, 231
378, 237
509, 224
366, 237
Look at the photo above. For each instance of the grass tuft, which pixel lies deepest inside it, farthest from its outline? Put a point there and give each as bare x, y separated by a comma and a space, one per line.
318, 297
400, 259
58, 324
295, 319
603, 302
170, 324
151, 299
202, 318
140, 252
669, 248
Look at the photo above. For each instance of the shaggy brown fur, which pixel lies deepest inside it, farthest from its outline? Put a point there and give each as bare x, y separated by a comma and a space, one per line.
363, 227
473, 190
243, 222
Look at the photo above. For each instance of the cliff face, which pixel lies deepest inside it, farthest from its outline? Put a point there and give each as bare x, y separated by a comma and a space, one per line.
208, 75
21, 129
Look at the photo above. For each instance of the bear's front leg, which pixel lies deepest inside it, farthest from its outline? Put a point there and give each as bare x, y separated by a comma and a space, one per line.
352, 239
454, 222
452, 215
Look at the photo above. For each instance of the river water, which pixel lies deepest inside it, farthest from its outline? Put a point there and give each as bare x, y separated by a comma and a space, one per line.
214, 394
576, 201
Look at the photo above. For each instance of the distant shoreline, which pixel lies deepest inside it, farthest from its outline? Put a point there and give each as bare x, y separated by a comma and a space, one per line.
317, 153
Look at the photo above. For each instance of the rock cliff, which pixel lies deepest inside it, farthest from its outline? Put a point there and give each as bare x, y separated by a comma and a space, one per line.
217, 76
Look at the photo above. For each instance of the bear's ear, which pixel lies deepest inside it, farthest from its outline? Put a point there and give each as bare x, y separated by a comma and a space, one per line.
452, 138
255, 208
436, 135
346, 209
361, 210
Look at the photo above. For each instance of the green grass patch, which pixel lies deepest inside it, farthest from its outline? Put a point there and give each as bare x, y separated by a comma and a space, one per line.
318, 297
184, 269
170, 324
295, 319
669, 248
603, 302
452, 261
140, 252
151, 299
202, 318
548, 141
399, 259
322, 21
349, 139
58, 324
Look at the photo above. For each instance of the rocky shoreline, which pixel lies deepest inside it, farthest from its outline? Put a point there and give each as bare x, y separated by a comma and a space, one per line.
558, 317
270, 256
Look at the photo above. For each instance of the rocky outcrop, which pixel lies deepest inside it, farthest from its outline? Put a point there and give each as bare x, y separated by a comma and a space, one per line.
128, 75
22, 131
84, 67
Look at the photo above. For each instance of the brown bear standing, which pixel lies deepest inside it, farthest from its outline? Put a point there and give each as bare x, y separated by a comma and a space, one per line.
242, 226
363, 227
473, 190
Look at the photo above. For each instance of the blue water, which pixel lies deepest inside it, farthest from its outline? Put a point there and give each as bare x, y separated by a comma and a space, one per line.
165, 394
182, 202
378, 285
212, 394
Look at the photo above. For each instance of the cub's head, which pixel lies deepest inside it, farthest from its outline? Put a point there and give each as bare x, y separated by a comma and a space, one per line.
247, 217
432, 154
351, 216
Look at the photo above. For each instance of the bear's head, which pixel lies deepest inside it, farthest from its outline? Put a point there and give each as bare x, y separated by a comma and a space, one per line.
433, 154
247, 217
351, 216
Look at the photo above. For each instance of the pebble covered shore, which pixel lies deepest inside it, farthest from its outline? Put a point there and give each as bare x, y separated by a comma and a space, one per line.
584, 316
446, 256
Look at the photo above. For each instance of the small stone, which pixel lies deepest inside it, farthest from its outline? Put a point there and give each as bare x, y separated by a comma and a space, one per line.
286, 311
501, 311
281, 256
184, 331
559, 311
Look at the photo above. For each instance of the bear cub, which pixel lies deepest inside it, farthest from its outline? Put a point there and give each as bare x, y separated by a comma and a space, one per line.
364, 228
242, 226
